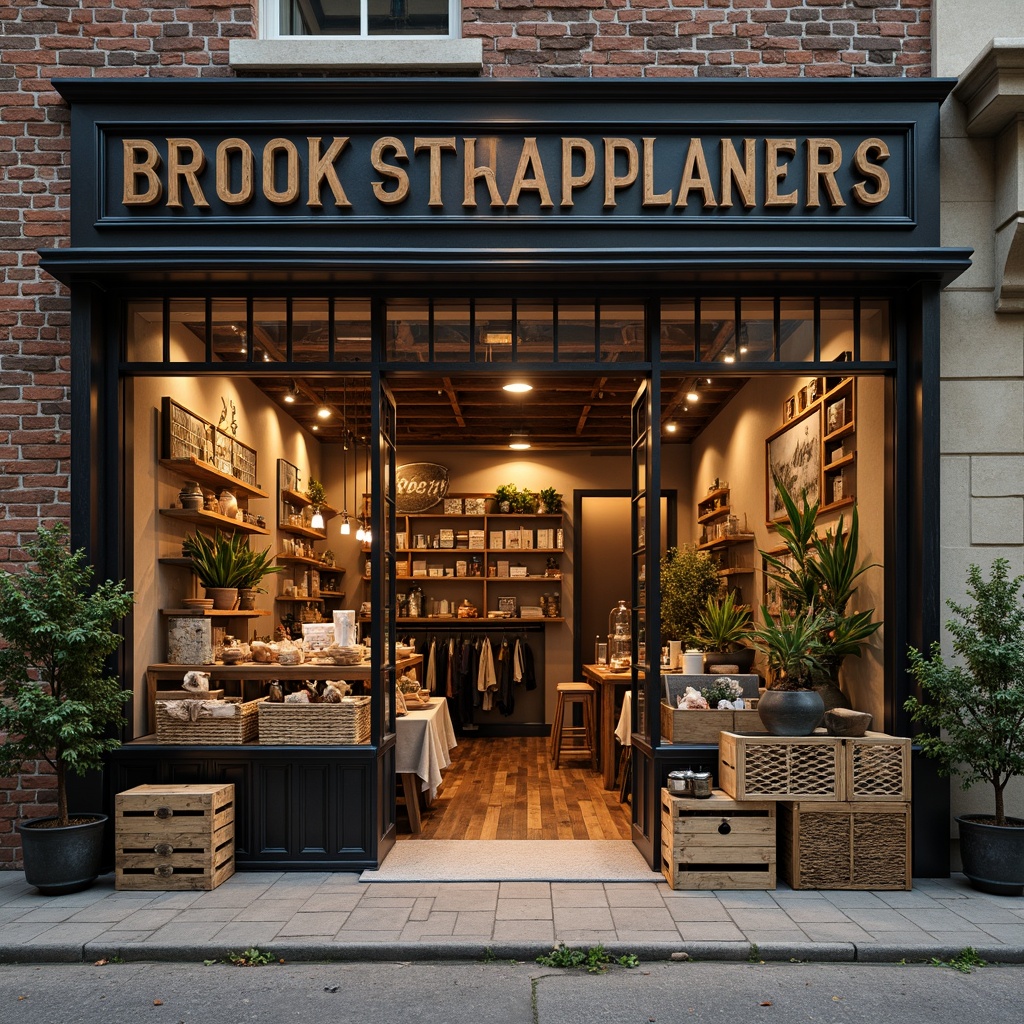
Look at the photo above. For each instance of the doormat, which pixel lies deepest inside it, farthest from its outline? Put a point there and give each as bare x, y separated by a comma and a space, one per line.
513, 860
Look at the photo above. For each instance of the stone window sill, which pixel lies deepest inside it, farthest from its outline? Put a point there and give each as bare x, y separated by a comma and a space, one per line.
409, 54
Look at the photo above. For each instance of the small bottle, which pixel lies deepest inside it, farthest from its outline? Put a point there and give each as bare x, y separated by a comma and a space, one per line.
597, 645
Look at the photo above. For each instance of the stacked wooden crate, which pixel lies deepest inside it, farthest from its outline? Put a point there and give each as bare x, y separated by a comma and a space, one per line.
717, 842
844, 804
174, 836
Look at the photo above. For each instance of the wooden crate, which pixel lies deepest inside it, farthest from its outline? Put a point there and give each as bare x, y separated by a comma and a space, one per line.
848, 845
316, 724
174, 836
679, 726
717, 843
240, 728
878, 767
781, 767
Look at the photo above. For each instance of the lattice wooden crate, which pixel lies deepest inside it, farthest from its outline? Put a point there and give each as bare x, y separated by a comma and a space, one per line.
241, 727
174, 837
316, 724
717, 843
679, 726
848, 845
878, 767
781, 767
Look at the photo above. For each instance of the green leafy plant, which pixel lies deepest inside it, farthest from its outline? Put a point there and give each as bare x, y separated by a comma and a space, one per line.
817, 575
316, 493
596, 960
251, 957
506, 492
723, 688
974, 711
56, 630
723, 625
688, 578
965, 961
550, 499
793, 648
524, 501
257, 566
222, 561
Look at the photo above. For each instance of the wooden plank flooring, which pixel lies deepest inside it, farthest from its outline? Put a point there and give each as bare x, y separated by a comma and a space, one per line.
507, 788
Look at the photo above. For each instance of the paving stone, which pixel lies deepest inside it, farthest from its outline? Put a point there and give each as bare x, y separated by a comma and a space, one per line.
697, 910
436, 924
747, 919
524, 931
523, 910
356, 938
455, 900
710, 931
65, 933
189, 933
815, 911
316, 924
585, 918
834, 931
274, 910
364, 920
327, 901
524, 890
636, 919
422, 909
881, 922
220, 915
145, 919
635, 896
239, 935
935, 920
472, 922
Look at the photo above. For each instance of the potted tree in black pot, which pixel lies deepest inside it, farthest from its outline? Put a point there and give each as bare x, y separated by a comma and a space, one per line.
59, 703
974, 716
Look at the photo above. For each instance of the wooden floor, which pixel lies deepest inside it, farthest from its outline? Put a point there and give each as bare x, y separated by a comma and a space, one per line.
507, 788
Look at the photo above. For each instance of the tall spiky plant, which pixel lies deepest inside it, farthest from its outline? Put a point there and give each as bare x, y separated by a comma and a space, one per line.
56, 631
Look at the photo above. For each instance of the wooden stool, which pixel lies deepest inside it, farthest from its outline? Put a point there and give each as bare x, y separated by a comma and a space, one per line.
574, 739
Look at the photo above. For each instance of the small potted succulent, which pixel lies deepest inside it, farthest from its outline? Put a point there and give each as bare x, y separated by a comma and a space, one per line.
257, 567
722, 631
221, 563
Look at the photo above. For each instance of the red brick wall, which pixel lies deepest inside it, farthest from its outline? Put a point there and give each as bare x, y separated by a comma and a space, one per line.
702, 38
44, 39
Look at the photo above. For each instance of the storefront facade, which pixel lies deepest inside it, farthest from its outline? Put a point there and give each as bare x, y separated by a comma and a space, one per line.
955, 494
663, 194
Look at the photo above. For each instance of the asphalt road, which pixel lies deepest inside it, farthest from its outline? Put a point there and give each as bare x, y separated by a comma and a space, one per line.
509, 993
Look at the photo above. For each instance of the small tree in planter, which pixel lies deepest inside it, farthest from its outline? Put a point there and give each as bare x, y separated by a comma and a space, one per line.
58, 704
974, 713
688, 578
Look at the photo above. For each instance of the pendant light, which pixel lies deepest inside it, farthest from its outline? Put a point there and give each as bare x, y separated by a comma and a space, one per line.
361, 532
317, 520
346, 528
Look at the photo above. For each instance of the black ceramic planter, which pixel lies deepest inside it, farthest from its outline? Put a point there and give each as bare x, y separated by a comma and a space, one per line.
62, 860
790, 712
743, 659
993, 855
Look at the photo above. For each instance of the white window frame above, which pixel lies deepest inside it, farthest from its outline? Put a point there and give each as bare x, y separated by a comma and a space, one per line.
270, 19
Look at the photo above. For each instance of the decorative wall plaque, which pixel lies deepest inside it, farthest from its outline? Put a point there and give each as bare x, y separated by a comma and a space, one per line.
420, 486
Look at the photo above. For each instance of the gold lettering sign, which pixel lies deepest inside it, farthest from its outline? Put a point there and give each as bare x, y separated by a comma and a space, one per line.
713, 173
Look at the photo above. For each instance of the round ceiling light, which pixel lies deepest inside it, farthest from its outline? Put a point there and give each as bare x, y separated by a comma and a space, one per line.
519, 441
517, 387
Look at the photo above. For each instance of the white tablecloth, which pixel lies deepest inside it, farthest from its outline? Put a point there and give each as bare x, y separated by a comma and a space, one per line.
623, 730
422, 741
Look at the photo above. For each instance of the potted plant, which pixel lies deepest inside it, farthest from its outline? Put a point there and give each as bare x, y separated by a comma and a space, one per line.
221, 564
58, 703
505, 495
688, 578
793, 648
550, 500
256, 568
819, 574
974, 718
722, 630
524, 502
316, 493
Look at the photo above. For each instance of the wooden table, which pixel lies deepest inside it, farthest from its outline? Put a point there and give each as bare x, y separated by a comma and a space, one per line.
258, 673
606, 682
423, 740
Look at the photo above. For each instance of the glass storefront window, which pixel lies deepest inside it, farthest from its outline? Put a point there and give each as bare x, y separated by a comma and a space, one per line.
408, 323
717, 330
875, 330
451, 330
536, 323
494, 331
144, 331
310, 332
270, 330
577, 324
187, 322
756, 341
837, 336
796, 330
678, 330
353, 341
622, 332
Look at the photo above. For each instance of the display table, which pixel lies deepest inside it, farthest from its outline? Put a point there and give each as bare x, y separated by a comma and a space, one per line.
606, 682
423, 740
256, 674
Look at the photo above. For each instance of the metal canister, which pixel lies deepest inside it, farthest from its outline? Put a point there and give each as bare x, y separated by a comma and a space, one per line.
700, 784
681, 783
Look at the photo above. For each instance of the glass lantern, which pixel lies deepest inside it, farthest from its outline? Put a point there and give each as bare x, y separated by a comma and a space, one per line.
620, 642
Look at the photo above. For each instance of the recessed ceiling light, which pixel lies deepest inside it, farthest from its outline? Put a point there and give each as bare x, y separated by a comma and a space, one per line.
517, 387
692, 396
292, 393
671, 427
519, 440
730, 359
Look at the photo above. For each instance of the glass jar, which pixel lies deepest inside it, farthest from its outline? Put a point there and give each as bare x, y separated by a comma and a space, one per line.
620, 642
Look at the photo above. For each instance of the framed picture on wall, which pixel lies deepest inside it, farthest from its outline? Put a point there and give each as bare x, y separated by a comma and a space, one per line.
793, 456
789, 408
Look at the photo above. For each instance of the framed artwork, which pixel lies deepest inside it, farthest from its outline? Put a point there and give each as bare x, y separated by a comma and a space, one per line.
789, 408
507, 605
836, 415
287, 480
793, 456
802, 399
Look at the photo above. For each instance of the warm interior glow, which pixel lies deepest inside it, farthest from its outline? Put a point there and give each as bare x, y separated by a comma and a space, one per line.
518, 387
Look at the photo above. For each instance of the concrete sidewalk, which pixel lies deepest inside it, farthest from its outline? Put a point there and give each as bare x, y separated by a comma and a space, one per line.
321, 916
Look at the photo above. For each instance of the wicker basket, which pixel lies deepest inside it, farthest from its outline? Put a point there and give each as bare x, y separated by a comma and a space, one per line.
316, 724
241, 728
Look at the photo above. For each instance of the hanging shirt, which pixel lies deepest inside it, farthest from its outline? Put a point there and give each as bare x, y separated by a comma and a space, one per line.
486, 678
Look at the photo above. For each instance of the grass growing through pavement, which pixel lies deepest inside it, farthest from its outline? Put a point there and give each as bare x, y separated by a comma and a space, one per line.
595, 960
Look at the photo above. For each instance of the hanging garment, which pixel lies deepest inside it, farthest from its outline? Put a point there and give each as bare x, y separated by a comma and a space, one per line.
486, 678
430, 680
449, 684
506, 697
529, 673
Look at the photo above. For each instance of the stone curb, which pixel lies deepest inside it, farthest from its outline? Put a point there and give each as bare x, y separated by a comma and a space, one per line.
320, 951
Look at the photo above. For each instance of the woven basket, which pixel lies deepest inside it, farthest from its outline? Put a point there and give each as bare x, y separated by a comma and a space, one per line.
316, 724
239, 729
